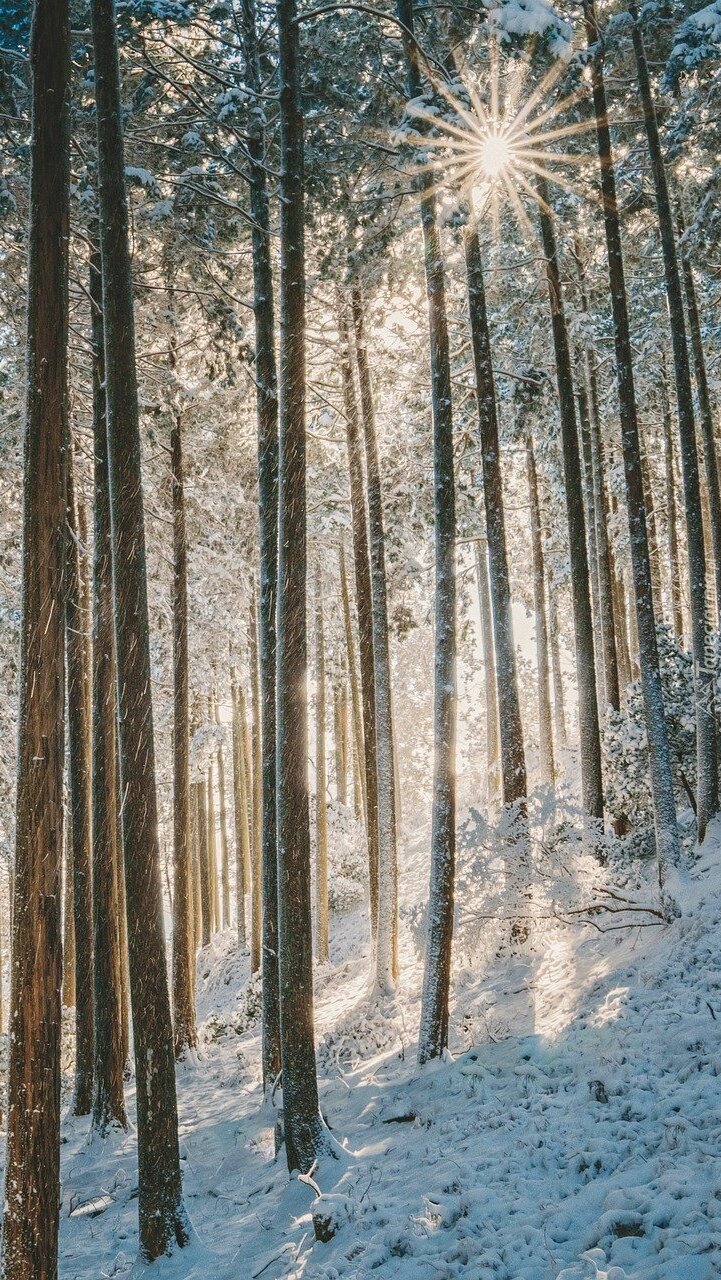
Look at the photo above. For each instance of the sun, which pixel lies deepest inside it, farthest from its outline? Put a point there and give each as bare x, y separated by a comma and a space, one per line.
495, 154
495, 151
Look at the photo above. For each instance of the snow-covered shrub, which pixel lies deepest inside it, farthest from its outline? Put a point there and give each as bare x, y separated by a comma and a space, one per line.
625, 751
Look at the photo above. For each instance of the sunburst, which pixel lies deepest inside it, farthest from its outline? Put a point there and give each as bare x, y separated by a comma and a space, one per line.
497, 152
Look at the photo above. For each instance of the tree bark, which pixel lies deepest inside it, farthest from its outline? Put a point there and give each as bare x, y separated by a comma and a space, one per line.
559, 703
707, 793
545, 724
321, 827
212, 837
183, 949
364, 607
359, 793
493, 758
387, 939
32, 1170
305, 1137
201, 802
513, 758
223, 816
267, 410
590, 740
674, 562
667, 843
162, 1218
256, 797
79, 771
240, 796
589, 507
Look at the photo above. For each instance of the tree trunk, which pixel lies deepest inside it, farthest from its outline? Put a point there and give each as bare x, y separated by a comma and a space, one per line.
545, 725
387, 940
704, 657
267, 410
513, 759
223, 815
305, 1137
359, 794
240, 797
80, 824
321, 827
201, 801
603, 541
340, 741
493, 758
32, 1170
589, 507
212, 837
433, 1036
559, 702
68, 917
651, 531
364, 607
667, 845
162, 1217
256, 798
590, 740
674, 563
183, 950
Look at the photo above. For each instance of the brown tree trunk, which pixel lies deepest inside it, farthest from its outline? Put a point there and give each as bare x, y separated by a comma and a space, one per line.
359, 792
545, 725
32, 1170
321, 826
256, 796
223, 816
674, 563
162, 1218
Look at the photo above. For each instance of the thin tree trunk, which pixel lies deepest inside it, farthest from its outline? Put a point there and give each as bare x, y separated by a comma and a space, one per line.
387, 940
545, 724
707, 795
212, 849
667, 844
559, 702
267, 410
223, 815
433, 1036
321, 827
256, 796
651, 531
364, 607
109, 1049
201, 801
674, 563
359, 793
69, 986
162, 1218
603, 541
340, 741
590, 740
493, 758
589, 506
183, 952
240, 796
305, 1138
513, 758
32, 1168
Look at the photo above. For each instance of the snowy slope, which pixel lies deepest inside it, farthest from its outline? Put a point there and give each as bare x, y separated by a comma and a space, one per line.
575, 1133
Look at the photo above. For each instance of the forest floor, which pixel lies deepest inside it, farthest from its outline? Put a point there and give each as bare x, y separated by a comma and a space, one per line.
574, 1131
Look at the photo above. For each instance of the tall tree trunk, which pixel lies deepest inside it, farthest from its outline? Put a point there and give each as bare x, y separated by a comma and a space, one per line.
705, 416
212, 837
674, 563
32, 1168
357, 717
667, 844
109, 1050
559, 702
589, 507
183, 950
707, 795
651, 531
162, 1217
364, 606
256, 796
240, 796
513, 758
68, 916
340, 740
223, 816
433, 1036
387, 940
201, 802
603, 541
493, 757
305, 1137
590, 740
545, 725
321, 812
267, 410
79, 769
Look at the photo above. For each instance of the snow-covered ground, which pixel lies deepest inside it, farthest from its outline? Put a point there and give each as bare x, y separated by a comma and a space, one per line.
575, 1131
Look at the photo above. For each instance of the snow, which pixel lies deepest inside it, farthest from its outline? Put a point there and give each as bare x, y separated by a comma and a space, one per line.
574, 1131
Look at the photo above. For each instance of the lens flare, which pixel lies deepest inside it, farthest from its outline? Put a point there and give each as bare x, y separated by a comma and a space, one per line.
495, 155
